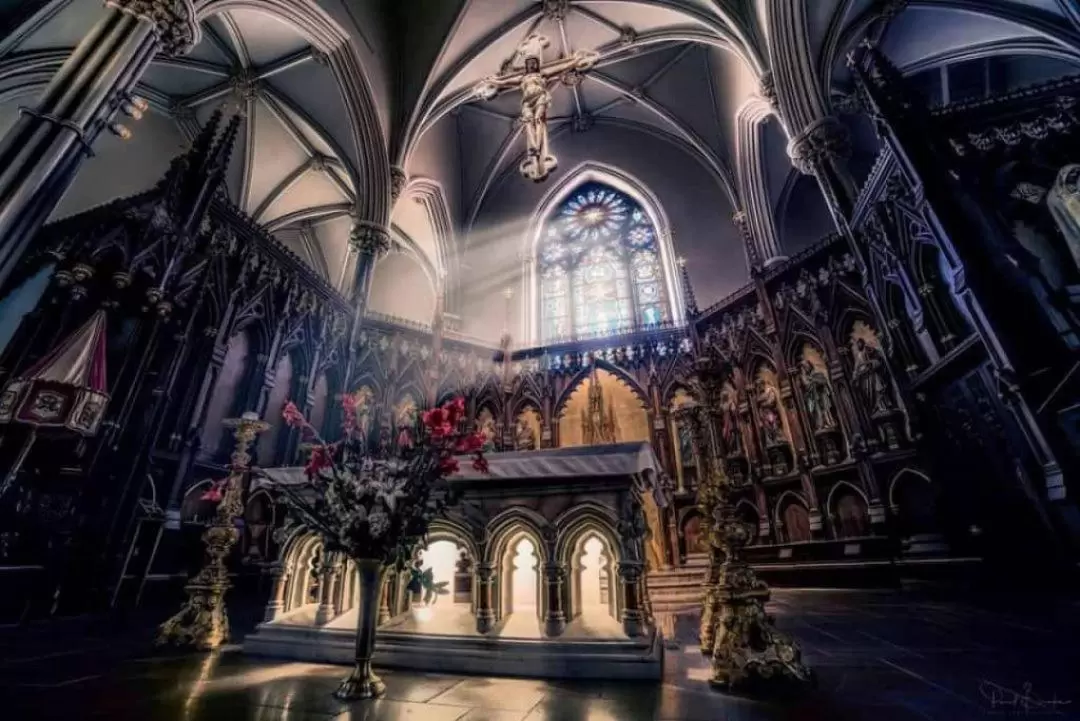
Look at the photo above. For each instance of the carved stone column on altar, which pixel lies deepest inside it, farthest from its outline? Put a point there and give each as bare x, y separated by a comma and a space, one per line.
555, 618
276, 605
330, 572
631, 574
485, 611
384, 602
42, 152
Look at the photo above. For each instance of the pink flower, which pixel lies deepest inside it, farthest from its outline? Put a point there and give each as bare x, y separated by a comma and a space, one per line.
320, 459
292, 415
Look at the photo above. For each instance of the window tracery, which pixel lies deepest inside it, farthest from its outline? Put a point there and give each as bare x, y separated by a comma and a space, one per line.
600, 268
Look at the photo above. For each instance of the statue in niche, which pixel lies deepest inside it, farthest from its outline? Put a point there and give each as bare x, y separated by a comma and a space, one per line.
729, 419
768, 403
817, 394
485, 426
523, 436
405, 415
871, 378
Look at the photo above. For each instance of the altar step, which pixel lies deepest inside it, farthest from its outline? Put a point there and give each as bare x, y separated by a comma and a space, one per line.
678, 590
589, 658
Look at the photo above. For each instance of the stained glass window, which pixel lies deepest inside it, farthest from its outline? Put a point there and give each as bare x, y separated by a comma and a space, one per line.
599, 267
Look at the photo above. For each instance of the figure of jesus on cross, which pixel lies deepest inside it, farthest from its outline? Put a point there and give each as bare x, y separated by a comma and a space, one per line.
532, 77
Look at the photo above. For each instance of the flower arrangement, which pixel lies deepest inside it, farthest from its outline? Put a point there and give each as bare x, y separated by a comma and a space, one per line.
376, 500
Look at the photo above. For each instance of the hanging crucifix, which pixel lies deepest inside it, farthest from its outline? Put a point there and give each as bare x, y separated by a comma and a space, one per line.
532, 77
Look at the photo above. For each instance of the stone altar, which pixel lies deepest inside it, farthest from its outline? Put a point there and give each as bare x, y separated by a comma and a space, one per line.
532, 607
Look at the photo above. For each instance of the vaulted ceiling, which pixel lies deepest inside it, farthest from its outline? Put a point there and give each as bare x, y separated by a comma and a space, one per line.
662, 103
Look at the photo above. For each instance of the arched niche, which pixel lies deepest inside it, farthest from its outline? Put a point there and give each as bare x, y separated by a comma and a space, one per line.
260, 516
748, 513
693, 535
588, 549
280, 393
229, 386
792, 518
528, 429
620, 417
682, 440
514, 537
301, 563
912, 499
848, 511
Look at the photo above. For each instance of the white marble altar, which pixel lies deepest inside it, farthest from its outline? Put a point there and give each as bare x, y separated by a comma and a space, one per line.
567, 526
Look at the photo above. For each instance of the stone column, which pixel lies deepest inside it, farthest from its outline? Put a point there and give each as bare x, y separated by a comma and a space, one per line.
485, 612
276, 606
41, 154
555, 618
384, 604
633, 619
327, 610
368, 240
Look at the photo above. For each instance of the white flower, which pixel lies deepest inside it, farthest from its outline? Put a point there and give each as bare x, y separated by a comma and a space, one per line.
389, 493
379, 523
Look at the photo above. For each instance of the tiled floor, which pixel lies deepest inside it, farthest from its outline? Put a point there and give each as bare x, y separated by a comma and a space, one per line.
878, 656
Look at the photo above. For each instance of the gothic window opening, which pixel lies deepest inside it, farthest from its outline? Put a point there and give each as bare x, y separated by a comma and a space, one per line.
599, 265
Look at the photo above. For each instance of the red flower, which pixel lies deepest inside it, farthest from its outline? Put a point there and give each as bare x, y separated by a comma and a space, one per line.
454, 409
480, 464
348, 408
470, 443
448, 465
292, 415
320, 459
213, 494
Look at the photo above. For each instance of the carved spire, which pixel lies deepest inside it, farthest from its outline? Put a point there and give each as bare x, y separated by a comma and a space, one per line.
688, 291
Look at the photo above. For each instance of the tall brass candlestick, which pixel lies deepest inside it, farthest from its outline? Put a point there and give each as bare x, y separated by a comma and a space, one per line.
736, 633
203, 622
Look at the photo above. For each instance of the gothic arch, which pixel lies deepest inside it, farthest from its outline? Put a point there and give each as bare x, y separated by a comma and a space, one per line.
586, 370
592, 171
900, 476
845, 484
782, 500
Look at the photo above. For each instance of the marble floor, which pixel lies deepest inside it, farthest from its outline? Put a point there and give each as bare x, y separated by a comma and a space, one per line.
881, 656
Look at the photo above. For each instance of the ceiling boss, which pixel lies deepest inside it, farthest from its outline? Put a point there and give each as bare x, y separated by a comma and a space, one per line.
532, 77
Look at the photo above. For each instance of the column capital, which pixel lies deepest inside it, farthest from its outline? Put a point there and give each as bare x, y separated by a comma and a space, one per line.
398, 180
369, 238
767, 89
825, 139
174, 21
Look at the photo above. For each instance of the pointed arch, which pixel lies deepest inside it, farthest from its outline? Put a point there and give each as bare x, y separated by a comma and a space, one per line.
624, 183
586, 370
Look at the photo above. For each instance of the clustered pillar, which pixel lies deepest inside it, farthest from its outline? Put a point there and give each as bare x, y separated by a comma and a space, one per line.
40, 155
555, 618
631, 574
485, 613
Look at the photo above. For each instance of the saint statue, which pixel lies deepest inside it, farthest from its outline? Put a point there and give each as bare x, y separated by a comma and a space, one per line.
818, 396
871, 378
485, 425
524, 440
768, 403
729, 418
532, 77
